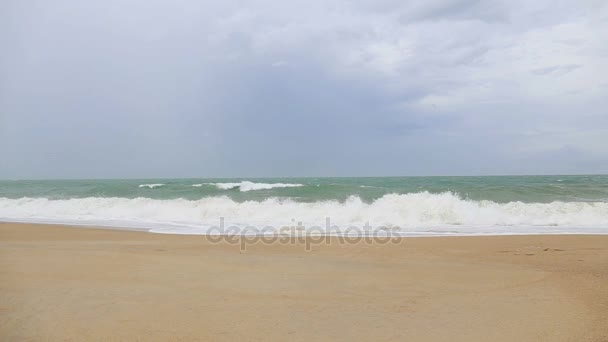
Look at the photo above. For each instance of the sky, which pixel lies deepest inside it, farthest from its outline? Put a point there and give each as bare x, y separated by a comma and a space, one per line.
185, 88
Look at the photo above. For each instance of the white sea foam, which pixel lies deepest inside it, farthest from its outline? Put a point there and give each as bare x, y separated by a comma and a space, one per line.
411, 214
197, 185
151, 186
245, 186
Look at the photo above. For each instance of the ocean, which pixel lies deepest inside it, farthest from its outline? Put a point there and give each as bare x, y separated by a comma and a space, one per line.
408, 206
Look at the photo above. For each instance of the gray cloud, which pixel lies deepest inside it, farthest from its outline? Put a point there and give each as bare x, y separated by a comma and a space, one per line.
561, 69
266, 88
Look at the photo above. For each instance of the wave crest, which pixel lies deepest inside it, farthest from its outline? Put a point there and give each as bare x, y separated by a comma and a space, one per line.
151, 186
245, 186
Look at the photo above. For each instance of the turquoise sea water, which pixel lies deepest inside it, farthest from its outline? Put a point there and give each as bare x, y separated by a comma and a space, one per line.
562, 204
494, 188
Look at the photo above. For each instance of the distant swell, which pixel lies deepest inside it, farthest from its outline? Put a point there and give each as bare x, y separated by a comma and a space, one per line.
416, 212
250, 186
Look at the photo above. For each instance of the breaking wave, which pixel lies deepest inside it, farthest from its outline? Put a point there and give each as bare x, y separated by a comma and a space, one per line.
415, 212
151, 186
245, 186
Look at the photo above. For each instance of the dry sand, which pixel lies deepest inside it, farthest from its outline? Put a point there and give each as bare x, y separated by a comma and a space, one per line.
81, 284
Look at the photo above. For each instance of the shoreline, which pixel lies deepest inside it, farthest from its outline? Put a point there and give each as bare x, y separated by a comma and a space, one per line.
69, 283
397, 233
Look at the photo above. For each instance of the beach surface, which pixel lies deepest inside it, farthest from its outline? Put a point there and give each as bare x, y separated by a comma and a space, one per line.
63, 283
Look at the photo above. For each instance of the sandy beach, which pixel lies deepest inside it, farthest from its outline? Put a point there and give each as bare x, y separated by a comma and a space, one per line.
73, 284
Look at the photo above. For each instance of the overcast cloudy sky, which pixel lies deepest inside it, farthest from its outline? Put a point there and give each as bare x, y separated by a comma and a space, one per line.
185, 88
